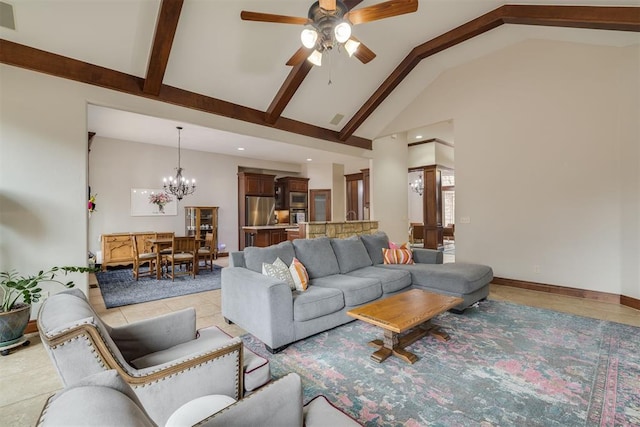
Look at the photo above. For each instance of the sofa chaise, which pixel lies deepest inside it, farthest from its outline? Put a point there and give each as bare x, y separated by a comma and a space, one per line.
343, 274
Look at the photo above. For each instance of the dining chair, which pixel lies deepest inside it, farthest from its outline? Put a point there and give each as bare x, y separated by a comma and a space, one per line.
183, 253
416, 233
164, 249
207, 251
141, 258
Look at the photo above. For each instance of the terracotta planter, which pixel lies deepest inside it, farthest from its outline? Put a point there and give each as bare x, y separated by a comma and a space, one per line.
13, 323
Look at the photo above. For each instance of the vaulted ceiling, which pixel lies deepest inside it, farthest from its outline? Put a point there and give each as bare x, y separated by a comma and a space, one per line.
200, 55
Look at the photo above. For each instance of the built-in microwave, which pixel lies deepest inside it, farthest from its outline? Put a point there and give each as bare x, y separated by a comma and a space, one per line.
297, 200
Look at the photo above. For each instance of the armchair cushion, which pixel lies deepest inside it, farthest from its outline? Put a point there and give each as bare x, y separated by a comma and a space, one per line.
153, 335
100, 399
198, 409
277, 404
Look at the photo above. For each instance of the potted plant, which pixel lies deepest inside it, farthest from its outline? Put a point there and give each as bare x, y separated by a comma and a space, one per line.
18, 292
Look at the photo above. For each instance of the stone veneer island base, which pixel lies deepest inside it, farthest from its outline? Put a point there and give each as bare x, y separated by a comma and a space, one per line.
333, 229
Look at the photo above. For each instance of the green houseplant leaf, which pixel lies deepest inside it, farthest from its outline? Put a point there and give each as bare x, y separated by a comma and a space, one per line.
13, 285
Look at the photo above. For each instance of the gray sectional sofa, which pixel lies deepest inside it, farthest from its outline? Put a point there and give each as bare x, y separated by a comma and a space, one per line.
343, 273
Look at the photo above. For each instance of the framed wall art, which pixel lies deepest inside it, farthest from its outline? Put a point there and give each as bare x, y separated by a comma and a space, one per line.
152, 202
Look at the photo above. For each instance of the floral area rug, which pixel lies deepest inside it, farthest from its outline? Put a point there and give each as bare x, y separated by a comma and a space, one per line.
505, 365
118, 287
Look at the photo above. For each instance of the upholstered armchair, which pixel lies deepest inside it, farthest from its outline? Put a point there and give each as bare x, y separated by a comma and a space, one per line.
104, 399
162, 359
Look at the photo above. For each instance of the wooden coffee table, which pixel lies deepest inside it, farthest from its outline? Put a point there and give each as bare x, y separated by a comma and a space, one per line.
398, 314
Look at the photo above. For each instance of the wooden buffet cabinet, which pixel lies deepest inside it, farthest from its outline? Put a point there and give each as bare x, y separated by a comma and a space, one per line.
117, 250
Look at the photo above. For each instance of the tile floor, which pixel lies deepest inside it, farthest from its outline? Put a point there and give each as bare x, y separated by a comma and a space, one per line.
27, 377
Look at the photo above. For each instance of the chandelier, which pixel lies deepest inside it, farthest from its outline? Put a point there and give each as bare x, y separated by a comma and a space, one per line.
327, 30
417, 185
179, 186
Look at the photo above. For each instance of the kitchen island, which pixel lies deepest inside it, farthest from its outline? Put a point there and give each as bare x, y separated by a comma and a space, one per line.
265, 235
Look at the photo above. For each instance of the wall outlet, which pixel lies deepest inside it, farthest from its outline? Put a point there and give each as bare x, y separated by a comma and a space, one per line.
465, 220
536, 269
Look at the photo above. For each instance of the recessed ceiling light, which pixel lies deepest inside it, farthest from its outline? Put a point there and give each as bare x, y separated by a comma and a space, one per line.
418, 136
308, 160
240, 149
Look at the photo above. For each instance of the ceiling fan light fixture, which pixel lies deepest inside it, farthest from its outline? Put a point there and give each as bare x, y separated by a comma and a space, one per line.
342, 32
309, 37
315, 58
351, 46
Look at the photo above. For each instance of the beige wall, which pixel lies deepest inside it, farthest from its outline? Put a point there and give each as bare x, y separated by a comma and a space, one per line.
388, 180
546, 162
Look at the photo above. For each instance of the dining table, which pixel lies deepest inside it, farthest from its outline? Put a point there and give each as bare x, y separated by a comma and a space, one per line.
159, 244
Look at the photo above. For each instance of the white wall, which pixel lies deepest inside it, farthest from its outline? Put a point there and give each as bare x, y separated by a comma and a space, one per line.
116, 166
43, 175
546, 162
388, 181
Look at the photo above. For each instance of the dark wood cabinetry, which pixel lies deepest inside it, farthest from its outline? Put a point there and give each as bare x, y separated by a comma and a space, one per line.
287, 185
255, 184
263, 237
251, 184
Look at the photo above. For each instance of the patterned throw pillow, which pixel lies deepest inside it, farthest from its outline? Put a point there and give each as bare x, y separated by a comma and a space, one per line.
395, 245
279, 270
397, 256
299, 274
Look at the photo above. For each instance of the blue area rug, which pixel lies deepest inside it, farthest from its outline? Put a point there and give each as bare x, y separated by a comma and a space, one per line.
119, 288
505, 365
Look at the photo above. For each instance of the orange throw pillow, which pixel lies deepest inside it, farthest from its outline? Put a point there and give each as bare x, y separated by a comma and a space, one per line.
397, 256
299, 274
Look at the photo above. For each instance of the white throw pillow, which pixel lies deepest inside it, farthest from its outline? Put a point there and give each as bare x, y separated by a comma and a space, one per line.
279, 270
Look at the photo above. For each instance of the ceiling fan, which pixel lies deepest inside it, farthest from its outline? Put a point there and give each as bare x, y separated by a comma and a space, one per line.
328, 26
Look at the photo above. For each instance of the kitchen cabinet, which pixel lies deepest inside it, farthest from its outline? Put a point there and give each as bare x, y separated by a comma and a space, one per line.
200, 220
255, 184
263, 236
251, 184
117, 250
287, 185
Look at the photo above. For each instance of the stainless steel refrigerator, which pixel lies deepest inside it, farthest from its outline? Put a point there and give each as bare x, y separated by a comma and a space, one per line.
260, 210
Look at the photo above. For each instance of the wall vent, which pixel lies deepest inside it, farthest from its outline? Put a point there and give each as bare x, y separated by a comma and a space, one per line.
6, 16
337, 119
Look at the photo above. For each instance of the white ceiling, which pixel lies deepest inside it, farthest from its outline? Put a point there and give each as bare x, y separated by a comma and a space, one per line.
216, 54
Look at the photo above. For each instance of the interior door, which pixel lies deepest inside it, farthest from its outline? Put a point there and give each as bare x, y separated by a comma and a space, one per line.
319, 205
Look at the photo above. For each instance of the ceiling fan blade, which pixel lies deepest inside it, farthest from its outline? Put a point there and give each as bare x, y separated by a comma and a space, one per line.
328, 4
363, 53
267, 17
386, 9
300, 55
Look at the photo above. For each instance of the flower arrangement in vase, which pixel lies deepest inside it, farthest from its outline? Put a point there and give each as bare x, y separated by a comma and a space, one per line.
91, 204
160, 199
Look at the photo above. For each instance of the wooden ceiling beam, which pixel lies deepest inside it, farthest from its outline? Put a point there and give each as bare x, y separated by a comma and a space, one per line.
593, 17
287, 90
293, 81
59, 66
162, 41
